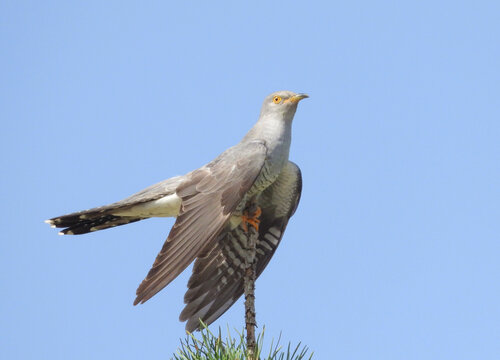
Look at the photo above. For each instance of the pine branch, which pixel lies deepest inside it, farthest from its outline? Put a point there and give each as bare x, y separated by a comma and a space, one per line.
213, 347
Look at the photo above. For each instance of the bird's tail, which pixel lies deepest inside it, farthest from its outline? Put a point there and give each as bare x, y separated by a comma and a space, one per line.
86, 221
157, 200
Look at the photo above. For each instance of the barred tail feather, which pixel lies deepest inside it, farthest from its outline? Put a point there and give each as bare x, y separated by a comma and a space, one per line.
88, 221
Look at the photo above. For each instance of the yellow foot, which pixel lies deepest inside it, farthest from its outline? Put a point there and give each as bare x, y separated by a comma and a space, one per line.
253, 219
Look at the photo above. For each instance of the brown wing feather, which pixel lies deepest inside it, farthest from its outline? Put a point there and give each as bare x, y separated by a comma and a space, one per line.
208, 198
217, 279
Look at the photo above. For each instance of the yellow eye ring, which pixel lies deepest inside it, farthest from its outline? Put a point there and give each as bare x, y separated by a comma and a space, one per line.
277, 99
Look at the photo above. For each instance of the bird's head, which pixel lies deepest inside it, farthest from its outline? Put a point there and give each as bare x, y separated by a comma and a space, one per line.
282, 103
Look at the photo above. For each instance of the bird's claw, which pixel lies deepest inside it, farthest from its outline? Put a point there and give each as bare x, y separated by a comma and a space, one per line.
252, 219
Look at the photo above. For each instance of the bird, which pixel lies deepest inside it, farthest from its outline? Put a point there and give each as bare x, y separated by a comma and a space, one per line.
251, 184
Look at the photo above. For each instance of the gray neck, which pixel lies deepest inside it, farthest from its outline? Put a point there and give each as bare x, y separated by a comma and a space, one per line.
276, 131
272, 129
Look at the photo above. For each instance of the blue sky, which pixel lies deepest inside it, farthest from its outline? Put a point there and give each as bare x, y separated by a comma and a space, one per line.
393, 252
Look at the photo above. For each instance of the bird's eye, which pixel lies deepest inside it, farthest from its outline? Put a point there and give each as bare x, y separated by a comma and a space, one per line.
277, 99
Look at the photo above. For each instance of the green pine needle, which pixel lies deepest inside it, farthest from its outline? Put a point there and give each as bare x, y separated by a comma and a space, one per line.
213, 347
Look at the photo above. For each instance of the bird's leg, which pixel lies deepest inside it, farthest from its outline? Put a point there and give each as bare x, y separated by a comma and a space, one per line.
251, 218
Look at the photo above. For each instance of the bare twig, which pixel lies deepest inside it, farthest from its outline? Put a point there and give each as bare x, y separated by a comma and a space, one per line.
249, 289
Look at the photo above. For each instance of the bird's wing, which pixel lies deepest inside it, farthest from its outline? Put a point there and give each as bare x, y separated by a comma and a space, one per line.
217, 279
208, 198
107, 216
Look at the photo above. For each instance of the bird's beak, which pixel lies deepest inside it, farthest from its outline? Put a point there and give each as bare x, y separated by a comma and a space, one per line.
296, 98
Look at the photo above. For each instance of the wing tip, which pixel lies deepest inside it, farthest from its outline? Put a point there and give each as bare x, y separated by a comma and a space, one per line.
140, 298
192, 327
141, 295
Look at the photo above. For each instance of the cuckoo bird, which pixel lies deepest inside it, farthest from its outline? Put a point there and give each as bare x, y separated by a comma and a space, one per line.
211, 207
